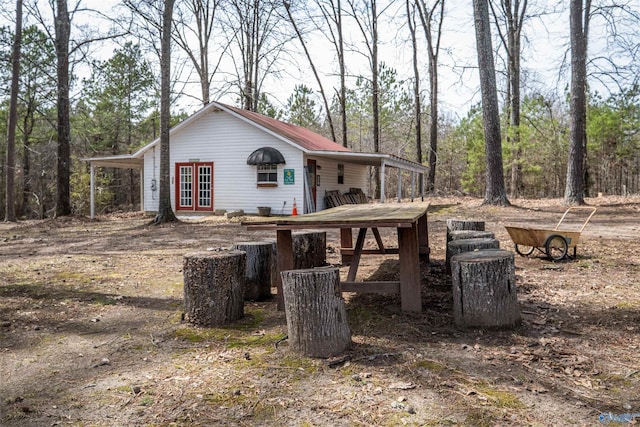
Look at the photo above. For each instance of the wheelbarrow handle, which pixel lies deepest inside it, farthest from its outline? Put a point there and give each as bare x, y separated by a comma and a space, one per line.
593, 211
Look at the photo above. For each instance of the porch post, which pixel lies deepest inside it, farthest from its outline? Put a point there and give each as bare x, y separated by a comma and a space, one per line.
382, 174
142, 189
92, 190
399, 191
413, 184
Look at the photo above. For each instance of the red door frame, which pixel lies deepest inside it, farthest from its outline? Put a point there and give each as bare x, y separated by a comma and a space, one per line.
195, 187
313, 172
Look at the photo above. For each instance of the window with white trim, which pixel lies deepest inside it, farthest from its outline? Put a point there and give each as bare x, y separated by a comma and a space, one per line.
267, 174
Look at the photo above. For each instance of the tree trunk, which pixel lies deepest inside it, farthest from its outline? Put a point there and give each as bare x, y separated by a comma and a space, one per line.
459, 246
417, 105
309, 250
316, 314
10, 192
214, 287
343, 77
484, 290
63, 188
575, 189
495, 193
375, 96
165, 211
260, 264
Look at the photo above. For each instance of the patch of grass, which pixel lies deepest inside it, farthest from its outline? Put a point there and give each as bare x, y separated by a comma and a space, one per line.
629, 305
481, 418
500, 398
363, 316
199, 335
146, 401
431, 365
238, 334
103, 300
298, 363
73, 276
229, 339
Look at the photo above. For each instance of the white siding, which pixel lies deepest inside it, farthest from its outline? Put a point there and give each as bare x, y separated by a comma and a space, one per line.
151, 171
355, 176
227, 141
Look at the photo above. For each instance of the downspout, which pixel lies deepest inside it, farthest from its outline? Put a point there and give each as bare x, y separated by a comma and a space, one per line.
92, 190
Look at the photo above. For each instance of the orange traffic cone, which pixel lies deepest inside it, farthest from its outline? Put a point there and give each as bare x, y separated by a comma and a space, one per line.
294, 212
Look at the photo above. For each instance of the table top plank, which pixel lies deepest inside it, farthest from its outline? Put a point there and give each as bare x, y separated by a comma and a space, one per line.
357, 216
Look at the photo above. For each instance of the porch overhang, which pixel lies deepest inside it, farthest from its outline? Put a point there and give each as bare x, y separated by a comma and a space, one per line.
381, 160
124, 161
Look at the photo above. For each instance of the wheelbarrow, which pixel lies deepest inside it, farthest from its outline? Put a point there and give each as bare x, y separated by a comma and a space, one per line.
554, 243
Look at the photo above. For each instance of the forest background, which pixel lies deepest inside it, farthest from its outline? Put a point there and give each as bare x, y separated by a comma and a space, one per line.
367, 74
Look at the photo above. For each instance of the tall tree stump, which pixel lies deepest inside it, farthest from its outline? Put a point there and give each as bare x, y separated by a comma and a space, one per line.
316, 313
463, 224
259, 269
454, 235
484, 289
470, 234
468, 245
309, 249
214, 287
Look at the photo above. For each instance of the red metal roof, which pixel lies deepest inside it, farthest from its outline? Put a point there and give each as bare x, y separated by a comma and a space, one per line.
303, 137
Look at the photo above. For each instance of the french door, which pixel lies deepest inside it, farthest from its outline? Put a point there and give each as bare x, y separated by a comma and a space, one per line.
194, 186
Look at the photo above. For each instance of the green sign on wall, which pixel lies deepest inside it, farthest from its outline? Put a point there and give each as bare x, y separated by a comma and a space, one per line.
289, 177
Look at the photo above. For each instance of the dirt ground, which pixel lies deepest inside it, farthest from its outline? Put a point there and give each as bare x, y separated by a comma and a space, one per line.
91, 333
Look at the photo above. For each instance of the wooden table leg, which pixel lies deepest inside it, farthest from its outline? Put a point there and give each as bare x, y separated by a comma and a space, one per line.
357, 253
284, 245
376, 234
346, 241
423, 238
409, 269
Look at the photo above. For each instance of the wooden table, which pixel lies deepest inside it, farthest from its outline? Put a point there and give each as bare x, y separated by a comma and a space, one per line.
410, 220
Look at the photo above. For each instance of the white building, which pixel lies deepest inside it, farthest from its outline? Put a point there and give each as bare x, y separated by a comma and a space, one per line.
226, 158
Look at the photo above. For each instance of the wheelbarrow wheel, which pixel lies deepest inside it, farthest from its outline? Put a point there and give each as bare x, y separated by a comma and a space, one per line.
556, 247
524, 250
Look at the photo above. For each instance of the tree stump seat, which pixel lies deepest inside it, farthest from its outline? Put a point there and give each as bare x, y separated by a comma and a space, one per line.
309, 249
470, 234
454, 224
316, 314
260, 269
484, 289
455, 247
214, 285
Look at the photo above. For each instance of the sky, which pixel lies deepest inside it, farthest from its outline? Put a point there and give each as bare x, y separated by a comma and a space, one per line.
545, 48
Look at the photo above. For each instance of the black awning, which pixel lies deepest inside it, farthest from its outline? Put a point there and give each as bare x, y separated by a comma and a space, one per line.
265, 156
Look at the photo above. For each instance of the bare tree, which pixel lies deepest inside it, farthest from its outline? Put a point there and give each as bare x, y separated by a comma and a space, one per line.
331, 25
254, 26
495, 193
61, 37
10, 212
62, 23
197, 19
579, 11
432, 19
165, 211
514, 13
366, 15
323, 94
417, 98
